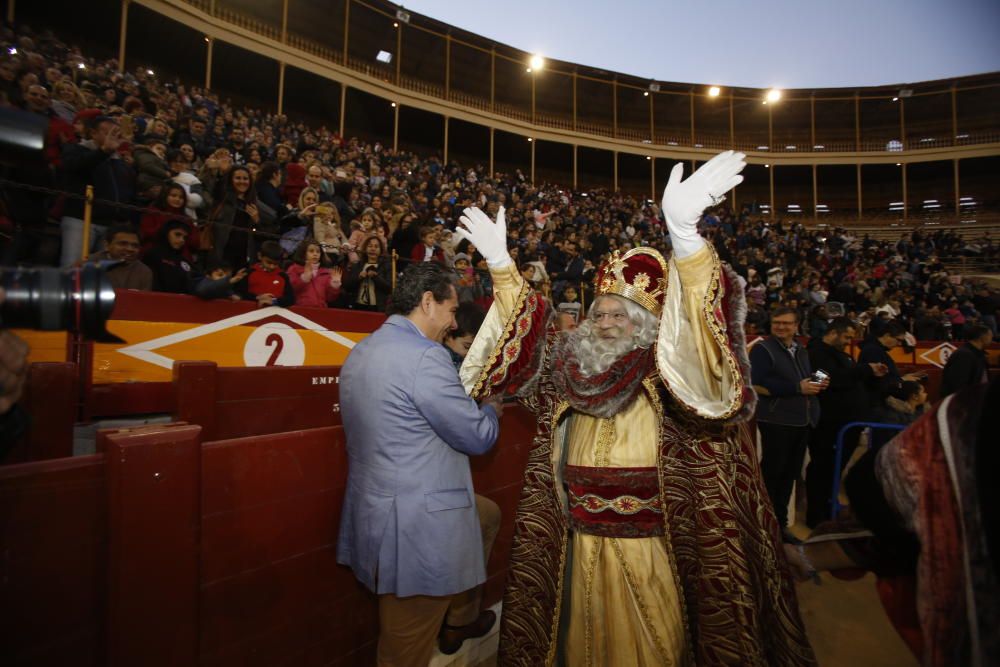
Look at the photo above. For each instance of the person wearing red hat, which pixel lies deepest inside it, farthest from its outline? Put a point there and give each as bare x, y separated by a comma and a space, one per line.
644, 534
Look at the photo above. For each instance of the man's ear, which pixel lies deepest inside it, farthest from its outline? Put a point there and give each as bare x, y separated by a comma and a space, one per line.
425, 301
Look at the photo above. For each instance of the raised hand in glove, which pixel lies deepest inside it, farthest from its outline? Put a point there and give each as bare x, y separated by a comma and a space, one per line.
684, 201
489, 238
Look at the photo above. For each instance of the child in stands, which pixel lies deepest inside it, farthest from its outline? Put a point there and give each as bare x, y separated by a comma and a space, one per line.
314, 285
267, 283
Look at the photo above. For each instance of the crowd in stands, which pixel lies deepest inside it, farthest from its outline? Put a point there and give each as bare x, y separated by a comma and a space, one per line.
196, 195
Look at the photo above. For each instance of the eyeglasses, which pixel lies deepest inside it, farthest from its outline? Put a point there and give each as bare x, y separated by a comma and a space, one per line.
618, 317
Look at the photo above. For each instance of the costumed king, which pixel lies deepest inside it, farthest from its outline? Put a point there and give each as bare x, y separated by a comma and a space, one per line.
643, 535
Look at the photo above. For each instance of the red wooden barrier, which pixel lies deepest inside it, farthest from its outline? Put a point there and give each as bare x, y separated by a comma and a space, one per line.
163, 550
53, 570
238, 402
51, 399
154, 483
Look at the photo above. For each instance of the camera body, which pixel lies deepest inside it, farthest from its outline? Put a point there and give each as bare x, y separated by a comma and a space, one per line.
819, 376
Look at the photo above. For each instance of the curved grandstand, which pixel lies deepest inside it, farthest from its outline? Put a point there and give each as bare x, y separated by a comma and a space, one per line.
926, 152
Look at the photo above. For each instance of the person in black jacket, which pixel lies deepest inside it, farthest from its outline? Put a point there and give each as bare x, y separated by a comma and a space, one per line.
787, 408
94, 161
968, 364
844, 401
171, 270
877, 351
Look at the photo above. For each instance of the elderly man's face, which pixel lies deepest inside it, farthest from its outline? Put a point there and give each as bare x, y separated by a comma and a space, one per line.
610, 319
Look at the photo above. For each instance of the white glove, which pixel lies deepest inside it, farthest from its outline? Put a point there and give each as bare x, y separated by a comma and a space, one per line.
684, 201
490, 239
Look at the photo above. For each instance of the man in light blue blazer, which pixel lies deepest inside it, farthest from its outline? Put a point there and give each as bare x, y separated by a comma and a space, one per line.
409, 528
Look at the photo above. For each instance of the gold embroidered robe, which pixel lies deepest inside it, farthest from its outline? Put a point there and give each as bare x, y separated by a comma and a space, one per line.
714, 589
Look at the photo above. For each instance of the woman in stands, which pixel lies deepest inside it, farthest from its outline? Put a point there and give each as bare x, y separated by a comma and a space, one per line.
369, 280
169, 206
172, 272
238, 220
315, 286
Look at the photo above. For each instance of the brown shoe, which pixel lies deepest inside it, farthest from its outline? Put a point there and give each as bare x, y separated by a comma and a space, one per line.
451, 637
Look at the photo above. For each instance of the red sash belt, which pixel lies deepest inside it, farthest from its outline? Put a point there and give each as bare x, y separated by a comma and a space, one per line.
614, 502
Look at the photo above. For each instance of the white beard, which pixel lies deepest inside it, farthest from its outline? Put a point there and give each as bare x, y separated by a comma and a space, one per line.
596, 354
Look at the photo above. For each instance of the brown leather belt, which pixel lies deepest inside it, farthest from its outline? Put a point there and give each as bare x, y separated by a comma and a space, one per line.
614, 502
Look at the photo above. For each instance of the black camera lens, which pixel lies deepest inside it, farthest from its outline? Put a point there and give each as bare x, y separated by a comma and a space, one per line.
47, 299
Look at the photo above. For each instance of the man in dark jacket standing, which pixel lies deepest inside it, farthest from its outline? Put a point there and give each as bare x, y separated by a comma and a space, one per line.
787, 408
968, 364
96, 162
844, 401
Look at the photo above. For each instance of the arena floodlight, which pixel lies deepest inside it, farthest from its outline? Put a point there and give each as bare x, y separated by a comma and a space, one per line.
537, 62
773, 95
384, 57
403, 16
714, 91
654, 87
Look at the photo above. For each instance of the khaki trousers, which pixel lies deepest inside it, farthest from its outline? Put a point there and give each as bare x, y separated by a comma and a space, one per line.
408, 627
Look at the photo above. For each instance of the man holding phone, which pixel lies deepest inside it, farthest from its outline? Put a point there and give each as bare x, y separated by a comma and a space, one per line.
787, 407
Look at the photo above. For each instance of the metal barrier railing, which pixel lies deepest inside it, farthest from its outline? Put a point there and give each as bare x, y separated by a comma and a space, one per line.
838, 456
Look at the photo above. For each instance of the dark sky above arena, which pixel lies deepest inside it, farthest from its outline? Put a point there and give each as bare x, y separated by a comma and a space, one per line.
780, 43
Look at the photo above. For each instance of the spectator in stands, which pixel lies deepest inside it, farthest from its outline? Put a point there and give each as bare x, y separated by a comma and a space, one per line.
121, 245
170, 205
94, 161
427, 249
929, 325
968, 364
237, 218
172, 272
183, 176
410, 429
369, 279
268, 189
315, 180
327, 231
266, 282
877, 350
219, 281
904, 409
469, 317
570, 303
197, 137
787, 408
314, 285
987, 302
151, 168
843, 401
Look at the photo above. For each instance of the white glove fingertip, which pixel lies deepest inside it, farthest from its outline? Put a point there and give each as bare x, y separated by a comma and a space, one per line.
676, 174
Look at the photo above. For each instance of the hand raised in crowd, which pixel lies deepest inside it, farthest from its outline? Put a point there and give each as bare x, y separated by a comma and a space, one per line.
808, 387
112, 140
253, 212
336, 274
879, 370
238, 276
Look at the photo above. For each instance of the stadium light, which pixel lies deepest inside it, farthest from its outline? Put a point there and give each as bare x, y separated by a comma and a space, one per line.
537, 62
773, 95
150, 72
714, 91
645, 93
384, 57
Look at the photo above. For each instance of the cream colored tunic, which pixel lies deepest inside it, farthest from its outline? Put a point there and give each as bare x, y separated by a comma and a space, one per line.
624, 604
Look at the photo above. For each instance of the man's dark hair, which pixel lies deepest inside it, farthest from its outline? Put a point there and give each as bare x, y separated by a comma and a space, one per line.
975, 331
267, 172
785, 310
839, 325
892, 328
417, 279
114, 230
175, 155
908, 389
469, 317
272, 250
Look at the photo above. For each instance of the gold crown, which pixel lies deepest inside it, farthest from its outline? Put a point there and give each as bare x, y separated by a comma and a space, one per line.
639, 275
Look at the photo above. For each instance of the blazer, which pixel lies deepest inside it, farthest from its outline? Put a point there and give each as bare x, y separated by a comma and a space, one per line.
409, 524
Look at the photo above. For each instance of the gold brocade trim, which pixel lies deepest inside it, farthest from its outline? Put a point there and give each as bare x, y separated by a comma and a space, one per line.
550, 659
711, 305
643, 609
510, 327
654, 398
625, 505
605, 438
588, 612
